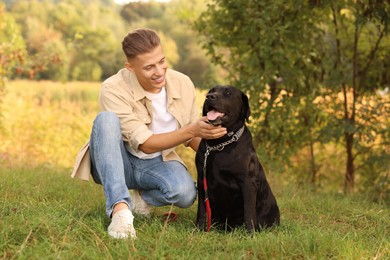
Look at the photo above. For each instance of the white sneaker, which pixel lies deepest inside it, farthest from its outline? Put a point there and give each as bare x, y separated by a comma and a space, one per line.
140, 206
122, 225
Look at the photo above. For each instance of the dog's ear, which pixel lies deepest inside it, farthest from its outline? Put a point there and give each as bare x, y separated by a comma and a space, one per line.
247, 110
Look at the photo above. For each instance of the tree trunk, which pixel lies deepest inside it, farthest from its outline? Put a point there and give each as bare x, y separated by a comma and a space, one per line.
349, 181
274, 92
313, 165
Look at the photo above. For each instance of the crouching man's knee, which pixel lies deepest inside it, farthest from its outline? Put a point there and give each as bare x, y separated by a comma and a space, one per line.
186, 196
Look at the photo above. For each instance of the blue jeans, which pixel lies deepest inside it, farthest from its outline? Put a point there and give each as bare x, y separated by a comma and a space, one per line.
162, 183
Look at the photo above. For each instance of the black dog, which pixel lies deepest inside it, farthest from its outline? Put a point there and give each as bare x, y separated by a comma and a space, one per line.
235, 186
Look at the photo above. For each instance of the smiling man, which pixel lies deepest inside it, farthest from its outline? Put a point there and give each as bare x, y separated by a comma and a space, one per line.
147, 110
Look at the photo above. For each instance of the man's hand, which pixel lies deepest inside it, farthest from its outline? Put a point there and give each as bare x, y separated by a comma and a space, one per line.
205, 130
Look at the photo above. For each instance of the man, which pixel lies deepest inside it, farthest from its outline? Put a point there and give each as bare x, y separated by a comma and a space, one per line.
148, 110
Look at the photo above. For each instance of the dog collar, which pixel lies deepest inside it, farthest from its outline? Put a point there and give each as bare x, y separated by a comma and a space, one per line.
221, 146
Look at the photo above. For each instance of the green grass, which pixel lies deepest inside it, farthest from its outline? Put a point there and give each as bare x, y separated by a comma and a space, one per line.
47, 215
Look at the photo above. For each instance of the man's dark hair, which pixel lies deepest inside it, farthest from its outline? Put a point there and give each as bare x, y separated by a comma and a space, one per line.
139, 41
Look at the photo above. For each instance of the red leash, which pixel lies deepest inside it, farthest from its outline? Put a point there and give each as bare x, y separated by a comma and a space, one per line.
169, 217
207, 202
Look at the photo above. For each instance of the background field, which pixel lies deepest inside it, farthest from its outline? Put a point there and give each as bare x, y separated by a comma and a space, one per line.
46, 214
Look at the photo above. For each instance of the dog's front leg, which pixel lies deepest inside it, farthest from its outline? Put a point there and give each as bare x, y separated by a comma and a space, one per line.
201, 214
248, 190
200, 217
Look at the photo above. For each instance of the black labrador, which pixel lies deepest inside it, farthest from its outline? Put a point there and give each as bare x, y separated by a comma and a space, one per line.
232, 186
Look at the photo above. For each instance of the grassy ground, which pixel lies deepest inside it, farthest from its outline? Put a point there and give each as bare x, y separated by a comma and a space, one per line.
48, 215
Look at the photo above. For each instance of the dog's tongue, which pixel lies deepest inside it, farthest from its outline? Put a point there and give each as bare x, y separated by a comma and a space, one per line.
213, 114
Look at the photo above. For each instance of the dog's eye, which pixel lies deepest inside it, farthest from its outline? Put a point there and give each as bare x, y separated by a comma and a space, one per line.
227, 93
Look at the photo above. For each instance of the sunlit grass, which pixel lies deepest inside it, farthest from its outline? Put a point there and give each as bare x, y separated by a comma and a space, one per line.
46, 214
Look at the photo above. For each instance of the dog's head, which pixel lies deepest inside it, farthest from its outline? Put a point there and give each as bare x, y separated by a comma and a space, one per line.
226, 106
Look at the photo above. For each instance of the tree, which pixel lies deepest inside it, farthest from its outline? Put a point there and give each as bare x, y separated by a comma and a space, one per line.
267, 50
70, 39
358, 43
44, 46
294, 60
12, 46
135, 11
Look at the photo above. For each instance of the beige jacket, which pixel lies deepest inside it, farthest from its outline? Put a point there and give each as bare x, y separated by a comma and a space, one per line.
123, 95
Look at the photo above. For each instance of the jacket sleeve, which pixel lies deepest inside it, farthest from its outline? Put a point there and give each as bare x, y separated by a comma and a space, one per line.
133, 123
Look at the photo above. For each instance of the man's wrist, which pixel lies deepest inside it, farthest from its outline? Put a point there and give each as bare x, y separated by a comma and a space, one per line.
187, 143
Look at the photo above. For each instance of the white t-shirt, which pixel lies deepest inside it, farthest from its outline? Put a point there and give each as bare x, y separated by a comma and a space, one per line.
162, 120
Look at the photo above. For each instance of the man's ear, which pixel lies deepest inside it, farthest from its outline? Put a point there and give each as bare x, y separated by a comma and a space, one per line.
128, 66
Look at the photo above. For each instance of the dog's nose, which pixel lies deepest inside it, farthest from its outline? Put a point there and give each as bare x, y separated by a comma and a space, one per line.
211, 96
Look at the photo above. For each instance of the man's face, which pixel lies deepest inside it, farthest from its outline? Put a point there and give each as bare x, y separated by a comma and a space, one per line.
150, 69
